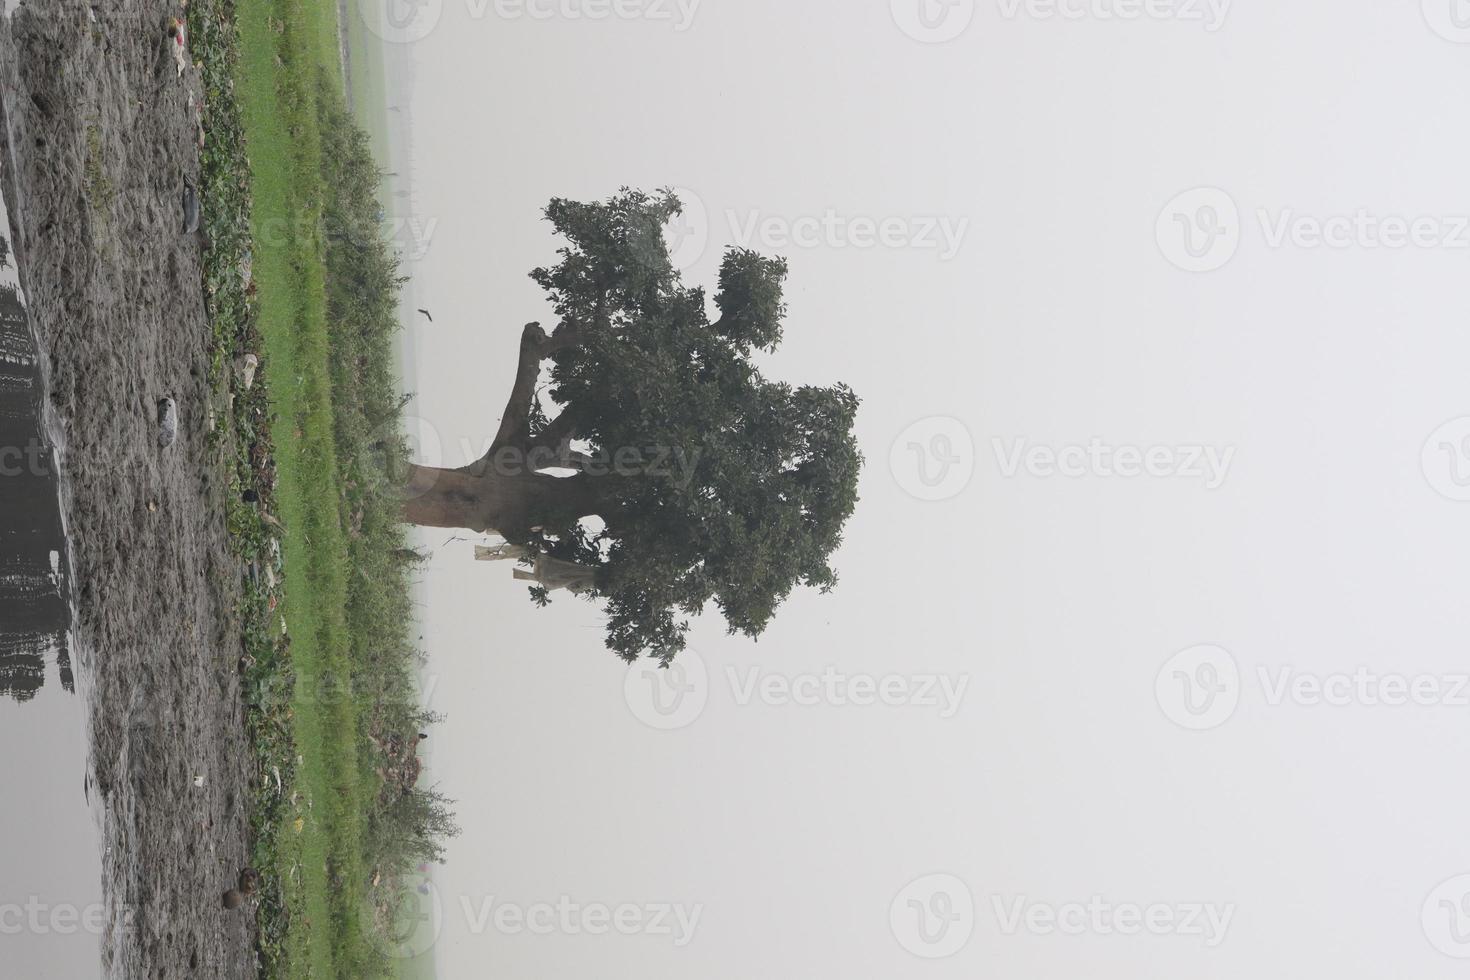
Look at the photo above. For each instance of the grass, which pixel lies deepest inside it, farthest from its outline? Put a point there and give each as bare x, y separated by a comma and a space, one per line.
297, 273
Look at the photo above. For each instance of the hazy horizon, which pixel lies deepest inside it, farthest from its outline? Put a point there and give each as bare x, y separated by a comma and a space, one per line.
1153, 413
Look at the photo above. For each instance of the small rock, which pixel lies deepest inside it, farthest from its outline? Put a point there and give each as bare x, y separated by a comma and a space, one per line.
198, 782
245, 366
191, 209
168, 422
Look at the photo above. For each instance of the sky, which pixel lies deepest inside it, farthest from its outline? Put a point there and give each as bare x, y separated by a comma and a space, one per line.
1148, 654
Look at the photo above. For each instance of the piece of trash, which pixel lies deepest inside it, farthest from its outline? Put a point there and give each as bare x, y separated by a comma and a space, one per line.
168, 422
176, 35
198, 782
245, 367
191, 209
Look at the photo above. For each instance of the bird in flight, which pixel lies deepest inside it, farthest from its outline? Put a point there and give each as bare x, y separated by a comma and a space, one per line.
428, 314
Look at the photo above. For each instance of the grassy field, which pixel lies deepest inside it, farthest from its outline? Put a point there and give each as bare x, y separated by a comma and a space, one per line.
298, 274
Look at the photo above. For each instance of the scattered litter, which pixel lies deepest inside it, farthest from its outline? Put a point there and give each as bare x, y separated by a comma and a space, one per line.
181, 54
245, 367
168, 422
191, 209
198, 782
198, 119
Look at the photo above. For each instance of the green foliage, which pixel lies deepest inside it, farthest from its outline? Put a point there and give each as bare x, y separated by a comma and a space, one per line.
333, 559
742, 484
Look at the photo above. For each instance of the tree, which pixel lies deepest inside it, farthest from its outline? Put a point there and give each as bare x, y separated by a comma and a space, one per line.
706, 481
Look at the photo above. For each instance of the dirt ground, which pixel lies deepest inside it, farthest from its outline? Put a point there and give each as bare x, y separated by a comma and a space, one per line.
103, 142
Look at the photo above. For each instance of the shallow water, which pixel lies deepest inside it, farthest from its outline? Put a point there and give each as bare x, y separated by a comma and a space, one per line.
51, 910
33, 605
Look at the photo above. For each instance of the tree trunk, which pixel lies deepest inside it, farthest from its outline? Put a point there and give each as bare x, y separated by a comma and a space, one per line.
509, 504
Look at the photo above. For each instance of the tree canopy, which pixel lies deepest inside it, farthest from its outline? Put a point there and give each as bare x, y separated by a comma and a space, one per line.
712, 482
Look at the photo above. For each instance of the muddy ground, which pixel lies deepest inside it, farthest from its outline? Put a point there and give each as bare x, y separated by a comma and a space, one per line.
104, 142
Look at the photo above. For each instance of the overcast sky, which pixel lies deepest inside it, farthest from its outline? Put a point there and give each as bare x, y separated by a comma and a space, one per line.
1148, 655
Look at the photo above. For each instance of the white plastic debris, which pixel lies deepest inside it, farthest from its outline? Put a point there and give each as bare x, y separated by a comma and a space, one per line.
168, 422
245, 367
178, 42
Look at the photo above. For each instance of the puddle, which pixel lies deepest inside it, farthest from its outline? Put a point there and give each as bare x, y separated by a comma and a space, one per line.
51, 898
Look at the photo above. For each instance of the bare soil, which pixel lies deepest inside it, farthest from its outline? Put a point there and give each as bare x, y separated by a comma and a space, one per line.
102, 143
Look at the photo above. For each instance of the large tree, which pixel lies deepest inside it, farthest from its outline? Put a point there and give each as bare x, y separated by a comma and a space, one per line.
704, 481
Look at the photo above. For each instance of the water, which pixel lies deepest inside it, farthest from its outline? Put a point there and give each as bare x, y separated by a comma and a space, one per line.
50, 871
34, 615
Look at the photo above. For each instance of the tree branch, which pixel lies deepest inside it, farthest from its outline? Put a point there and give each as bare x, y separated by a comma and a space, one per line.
536, 346
559, 430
